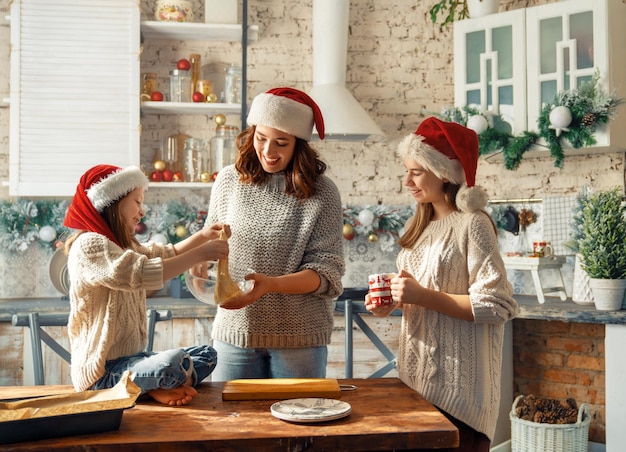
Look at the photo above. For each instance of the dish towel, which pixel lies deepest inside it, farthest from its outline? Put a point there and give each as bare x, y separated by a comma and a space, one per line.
558, 213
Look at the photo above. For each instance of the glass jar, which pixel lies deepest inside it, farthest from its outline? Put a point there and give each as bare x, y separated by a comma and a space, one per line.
232, 85
194, 59
180, 86
195, 160
223, 148
149, 83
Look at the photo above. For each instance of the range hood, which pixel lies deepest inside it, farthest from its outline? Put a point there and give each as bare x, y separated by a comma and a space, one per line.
344, 118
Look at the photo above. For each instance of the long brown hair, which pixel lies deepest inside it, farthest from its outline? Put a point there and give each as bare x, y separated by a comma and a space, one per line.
301, 173
112, 217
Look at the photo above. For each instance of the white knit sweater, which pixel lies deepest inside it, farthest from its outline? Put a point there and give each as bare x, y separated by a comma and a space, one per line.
456, 364
276, 234
108, 302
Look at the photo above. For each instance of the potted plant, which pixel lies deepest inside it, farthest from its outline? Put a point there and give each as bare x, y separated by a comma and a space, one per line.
581, 293
602, 246
451, 10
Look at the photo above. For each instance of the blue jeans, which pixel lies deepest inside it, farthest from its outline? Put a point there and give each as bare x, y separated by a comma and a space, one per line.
237, 362
167, 369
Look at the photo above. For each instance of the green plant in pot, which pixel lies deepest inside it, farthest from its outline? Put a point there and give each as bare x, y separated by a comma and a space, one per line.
602, 246
450, 10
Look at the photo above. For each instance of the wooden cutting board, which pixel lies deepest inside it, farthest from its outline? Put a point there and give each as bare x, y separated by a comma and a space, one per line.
280, 388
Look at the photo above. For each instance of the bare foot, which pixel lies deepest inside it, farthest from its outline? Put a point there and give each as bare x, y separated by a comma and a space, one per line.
179, 396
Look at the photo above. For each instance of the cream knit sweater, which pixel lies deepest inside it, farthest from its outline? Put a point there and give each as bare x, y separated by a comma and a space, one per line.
276, 234
108, 302
453, 363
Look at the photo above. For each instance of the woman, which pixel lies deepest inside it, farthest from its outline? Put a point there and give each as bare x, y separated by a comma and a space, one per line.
452, 285
285, 217
110, 273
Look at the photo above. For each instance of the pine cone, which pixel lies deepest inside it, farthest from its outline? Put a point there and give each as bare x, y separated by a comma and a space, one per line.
544, 410
589, 119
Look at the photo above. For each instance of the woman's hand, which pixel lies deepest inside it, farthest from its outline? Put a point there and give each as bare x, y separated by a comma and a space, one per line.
380, 311
405, 289
260, 287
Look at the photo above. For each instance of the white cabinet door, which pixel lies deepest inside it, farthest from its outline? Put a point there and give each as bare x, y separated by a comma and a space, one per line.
489, 66
74, 91
566, 43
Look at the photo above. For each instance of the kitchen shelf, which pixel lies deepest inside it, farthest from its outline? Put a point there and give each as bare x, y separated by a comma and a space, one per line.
181, 184
188, 108
194, 31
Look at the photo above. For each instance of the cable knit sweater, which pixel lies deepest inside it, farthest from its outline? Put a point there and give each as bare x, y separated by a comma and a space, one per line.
453, 363
108, 302
276, 234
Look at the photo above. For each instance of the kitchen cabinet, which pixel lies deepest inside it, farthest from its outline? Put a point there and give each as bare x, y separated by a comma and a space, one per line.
75, 88
513, 63
489, 66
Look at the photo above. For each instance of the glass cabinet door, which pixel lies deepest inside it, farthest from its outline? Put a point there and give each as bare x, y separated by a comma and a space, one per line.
565, 46
489, 66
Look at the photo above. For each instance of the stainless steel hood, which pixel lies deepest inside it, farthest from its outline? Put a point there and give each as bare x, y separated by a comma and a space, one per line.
344, 118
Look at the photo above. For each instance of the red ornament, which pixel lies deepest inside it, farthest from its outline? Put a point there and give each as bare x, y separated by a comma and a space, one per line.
168, 175
157, 96
214, 176
197, 97
178, 177
141, 228
183, 64
156, 176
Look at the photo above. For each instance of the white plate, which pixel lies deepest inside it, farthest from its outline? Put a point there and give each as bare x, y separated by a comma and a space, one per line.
58, 272
310, 410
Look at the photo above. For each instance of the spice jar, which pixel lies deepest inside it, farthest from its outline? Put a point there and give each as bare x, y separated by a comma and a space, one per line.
196, 160
194, 59
180, 86
232, 85
149, 83
223, 145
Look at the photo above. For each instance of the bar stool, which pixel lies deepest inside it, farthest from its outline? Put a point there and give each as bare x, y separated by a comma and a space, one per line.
34, 321
352, 308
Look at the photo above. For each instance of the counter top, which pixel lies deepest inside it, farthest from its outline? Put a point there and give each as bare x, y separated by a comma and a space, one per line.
565, 311
529, 308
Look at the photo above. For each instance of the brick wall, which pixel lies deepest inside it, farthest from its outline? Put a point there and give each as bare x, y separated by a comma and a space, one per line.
561, 360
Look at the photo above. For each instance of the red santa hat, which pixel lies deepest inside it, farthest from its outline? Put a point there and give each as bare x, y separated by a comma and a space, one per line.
449, 151
288, 110
99, 187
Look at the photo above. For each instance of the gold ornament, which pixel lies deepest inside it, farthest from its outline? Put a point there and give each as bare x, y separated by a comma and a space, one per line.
372, 237
181, 231
220, 119
205, 176
211, 98
159, 165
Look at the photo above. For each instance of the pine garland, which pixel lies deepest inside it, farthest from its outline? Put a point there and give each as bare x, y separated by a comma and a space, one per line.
22, 220
588, 106
386, 220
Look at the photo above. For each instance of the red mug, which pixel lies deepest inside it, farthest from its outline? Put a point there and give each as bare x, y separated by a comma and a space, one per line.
542, 249
380, 289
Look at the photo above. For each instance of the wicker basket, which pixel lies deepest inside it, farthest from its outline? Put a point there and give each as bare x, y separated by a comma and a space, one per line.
529, 436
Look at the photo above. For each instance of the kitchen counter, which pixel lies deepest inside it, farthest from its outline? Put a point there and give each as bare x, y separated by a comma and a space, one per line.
529, 308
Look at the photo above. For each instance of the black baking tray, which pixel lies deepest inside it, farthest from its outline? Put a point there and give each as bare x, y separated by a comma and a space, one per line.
59, 426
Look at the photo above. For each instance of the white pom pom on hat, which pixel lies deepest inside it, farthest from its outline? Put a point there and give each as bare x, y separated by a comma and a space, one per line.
288, 110
450, 151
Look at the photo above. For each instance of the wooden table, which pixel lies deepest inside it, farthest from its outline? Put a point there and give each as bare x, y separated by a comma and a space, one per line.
386, 415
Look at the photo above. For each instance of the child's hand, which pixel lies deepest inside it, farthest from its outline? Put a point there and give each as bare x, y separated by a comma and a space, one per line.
212, 232
214, 250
